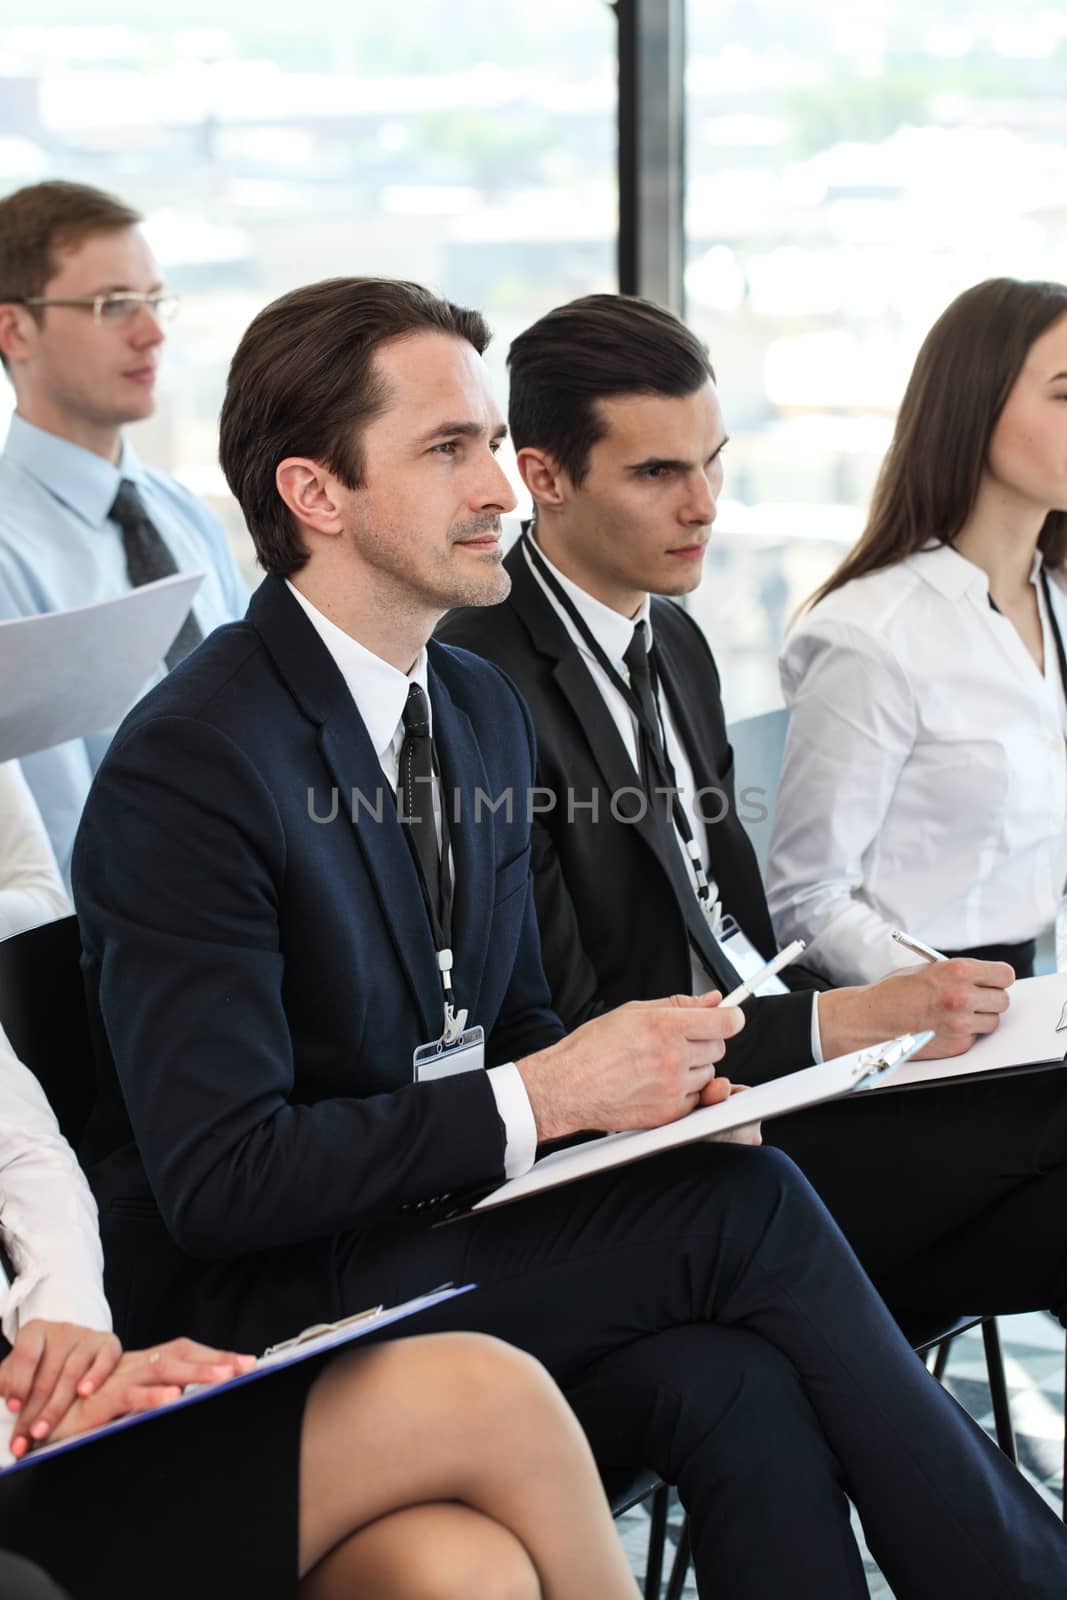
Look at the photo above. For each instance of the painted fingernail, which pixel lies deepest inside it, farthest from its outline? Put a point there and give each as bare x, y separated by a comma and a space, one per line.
18, 1447
39, 1430
14, 1404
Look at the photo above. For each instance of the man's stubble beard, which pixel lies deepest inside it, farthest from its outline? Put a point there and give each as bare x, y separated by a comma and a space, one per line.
411, 585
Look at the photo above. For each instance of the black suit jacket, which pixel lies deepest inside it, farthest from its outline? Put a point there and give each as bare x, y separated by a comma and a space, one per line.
612, 928
258, 977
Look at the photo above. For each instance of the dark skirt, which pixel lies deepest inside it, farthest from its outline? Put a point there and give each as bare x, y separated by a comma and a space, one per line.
1019, 956
199, 1502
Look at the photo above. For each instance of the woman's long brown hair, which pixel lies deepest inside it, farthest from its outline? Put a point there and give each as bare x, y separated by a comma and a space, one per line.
963, 374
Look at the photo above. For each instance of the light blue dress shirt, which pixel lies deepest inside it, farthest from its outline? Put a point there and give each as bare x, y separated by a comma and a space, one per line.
59, 549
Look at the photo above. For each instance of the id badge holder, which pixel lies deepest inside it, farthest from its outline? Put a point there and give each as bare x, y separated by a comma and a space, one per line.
440, 1060
745, 958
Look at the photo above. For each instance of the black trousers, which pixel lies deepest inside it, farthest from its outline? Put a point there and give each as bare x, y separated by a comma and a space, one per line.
954, 1197
706, 1318
21, 1580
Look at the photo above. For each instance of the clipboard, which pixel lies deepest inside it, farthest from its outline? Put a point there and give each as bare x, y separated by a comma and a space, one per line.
311, 1343
858, 1072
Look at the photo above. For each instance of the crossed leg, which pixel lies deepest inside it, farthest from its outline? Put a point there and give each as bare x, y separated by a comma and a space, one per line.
447, 1466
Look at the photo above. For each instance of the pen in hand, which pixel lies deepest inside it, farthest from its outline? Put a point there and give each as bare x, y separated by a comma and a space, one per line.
745, 990
927, 952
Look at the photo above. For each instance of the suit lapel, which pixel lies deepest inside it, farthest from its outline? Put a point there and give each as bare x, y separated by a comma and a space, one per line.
608, 751
318, 687
577, 687
731, 860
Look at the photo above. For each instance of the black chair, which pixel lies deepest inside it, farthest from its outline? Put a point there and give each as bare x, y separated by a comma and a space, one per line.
43, 1013
939, 1344
626, 1491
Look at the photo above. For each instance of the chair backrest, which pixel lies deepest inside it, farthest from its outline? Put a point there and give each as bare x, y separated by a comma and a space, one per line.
759, 745
43, 1013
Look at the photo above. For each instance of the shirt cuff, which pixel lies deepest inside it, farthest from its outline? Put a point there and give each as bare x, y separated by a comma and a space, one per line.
44, 1298
816, 1036
516, 1113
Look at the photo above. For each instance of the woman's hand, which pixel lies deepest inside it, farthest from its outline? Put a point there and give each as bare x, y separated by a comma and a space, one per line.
49, 1365
140, 1380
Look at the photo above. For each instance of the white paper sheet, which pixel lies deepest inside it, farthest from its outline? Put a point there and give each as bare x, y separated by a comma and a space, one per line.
69, 673
1026, 1035
790, 1093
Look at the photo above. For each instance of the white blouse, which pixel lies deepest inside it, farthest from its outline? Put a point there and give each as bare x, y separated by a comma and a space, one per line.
925, 776
48, 1216
31, 890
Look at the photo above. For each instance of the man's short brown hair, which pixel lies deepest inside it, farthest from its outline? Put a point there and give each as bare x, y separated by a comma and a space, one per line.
303, 383
39, 221
593, 349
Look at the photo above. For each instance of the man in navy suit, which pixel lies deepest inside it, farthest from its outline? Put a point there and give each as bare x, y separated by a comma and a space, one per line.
265, 933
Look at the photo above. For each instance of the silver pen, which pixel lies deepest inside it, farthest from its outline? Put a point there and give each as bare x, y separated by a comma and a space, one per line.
927, 952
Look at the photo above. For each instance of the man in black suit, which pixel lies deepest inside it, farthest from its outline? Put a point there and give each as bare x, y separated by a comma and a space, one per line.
267, 937
616, 420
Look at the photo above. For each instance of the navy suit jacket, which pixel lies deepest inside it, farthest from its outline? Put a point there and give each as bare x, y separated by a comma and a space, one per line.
259, 977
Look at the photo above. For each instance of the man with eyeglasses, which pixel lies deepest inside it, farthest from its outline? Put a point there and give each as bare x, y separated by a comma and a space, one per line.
82, 309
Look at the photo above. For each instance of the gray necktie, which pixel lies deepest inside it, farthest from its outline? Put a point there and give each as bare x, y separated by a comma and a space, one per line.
149, 558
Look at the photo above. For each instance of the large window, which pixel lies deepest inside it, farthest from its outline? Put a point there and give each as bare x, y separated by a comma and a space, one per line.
851, 169
471, 147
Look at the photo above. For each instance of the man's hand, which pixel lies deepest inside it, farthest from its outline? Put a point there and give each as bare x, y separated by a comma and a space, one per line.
137, 1381
640, 1066
960, 999
748, 1133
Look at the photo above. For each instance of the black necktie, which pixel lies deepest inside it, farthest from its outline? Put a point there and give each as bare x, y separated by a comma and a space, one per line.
414, 793
148, 558
650, 737
654, 767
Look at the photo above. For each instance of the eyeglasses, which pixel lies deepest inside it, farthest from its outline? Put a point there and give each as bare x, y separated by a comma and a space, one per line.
115, 308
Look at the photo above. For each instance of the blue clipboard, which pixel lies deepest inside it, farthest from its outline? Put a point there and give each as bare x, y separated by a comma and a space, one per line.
302, 1348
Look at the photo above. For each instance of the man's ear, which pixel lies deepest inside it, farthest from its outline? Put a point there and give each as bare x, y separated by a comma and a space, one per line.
17, 328
312, 494
547, 483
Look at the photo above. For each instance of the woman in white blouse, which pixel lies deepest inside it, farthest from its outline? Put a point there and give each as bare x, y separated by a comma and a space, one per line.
398, 1473
925, 779
31, 889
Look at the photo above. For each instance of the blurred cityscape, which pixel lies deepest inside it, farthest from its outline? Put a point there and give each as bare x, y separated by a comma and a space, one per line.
850, 169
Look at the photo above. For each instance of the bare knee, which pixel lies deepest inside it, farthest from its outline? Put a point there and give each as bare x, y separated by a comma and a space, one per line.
435, 1551
494, 1569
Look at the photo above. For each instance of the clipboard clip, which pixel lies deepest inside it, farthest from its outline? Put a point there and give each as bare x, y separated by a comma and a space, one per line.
881, 1063
324, 1327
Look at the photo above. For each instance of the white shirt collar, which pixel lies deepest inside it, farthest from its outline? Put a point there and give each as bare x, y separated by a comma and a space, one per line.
379, 689
612, 631
952, 574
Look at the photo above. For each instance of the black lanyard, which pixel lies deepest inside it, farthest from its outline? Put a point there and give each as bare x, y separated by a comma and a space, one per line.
1055, 629
441, 925
657, 748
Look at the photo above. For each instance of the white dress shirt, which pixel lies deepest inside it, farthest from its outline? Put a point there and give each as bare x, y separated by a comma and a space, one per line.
613, 633
31, 890
925, 777
380, 692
